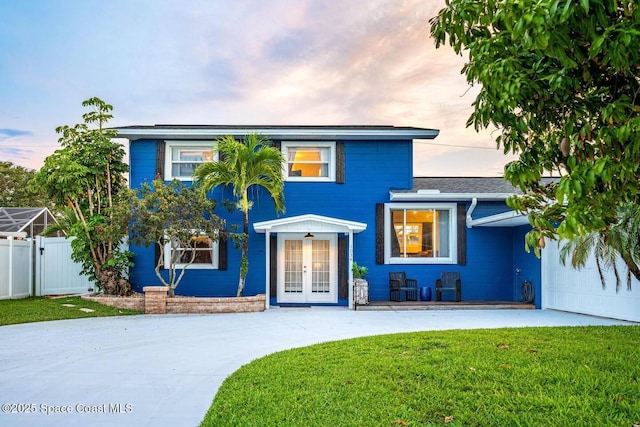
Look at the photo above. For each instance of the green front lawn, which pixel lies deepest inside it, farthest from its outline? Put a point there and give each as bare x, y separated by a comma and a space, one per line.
37, 309
566, 376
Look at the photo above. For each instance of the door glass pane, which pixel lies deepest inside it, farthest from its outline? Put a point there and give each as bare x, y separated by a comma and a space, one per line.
293, 266
320, 266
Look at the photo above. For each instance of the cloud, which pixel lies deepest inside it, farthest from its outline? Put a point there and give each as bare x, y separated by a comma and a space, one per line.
14, 152
319, 62
6, 134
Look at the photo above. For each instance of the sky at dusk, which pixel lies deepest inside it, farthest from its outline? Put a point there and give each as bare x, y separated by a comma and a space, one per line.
242, 62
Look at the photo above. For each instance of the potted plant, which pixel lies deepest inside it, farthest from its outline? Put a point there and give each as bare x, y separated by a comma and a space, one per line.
360, 285
358, 271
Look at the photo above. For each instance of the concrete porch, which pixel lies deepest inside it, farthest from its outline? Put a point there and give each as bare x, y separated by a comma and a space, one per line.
445, 305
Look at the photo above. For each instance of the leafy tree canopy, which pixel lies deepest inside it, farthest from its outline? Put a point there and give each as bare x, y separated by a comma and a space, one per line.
87, 176
175, 214
14, 191
560, 80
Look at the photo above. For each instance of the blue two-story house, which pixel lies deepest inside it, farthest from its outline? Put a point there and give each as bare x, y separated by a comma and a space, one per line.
350, 195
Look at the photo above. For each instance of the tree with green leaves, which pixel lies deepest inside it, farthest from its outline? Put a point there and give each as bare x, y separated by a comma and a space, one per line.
178, 218
560, 80
242, 165
14, 189
87, 175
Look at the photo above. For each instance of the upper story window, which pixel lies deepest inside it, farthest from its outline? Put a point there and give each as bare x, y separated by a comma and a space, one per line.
420, 233
309, 161
183, 157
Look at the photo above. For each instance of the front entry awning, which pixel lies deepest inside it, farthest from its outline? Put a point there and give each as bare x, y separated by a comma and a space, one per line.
313, 224
309, 223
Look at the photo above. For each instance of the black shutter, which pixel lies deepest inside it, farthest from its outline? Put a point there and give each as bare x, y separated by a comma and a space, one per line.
160, 158
343, 264
340, 172
462, 234
379, 233
273, 266
223, 246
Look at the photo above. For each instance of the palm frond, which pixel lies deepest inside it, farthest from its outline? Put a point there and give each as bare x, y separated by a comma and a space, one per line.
242, 165
620, 241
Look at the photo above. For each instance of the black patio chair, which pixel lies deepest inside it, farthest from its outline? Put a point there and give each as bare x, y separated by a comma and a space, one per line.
449, 282
399, 283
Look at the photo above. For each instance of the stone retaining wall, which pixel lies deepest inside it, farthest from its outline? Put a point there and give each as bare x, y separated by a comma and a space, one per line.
156, 301
129, 303
215, 305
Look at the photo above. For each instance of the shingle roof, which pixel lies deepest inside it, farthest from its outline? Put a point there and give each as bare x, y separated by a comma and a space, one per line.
458, 188
464, 185
452, 185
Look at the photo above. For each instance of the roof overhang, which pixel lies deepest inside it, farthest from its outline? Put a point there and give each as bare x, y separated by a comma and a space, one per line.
277, 132
309, 223
505, 219
435, 195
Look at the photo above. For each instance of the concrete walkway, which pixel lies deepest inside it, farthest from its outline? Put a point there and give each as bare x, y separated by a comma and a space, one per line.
165, 370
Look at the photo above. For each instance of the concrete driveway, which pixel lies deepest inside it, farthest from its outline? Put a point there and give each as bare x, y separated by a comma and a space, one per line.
165, 370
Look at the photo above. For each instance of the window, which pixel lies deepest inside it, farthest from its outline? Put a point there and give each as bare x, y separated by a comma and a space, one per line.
205, 255
182, 158
420, 233
309, 161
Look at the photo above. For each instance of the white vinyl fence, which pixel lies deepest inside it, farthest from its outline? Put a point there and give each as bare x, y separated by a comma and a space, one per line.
15, 268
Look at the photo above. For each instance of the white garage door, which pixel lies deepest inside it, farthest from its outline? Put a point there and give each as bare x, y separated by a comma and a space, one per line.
580, 291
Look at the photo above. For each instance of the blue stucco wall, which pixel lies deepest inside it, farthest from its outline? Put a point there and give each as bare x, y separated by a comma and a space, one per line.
486, 275
529, 266
371, 169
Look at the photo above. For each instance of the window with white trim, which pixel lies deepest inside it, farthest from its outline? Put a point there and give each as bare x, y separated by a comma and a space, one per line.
202, 249
183, 157
420, 233
309, 161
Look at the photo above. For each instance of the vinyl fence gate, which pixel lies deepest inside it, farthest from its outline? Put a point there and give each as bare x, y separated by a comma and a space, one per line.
55, 272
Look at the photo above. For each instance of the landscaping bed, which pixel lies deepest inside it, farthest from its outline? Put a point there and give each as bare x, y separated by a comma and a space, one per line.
133, 302
156, 301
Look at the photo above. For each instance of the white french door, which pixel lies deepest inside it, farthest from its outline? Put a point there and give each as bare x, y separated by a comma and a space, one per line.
307, 268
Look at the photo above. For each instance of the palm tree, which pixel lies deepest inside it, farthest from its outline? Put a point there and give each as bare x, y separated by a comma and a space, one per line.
621, 240
241, 165
66, 218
